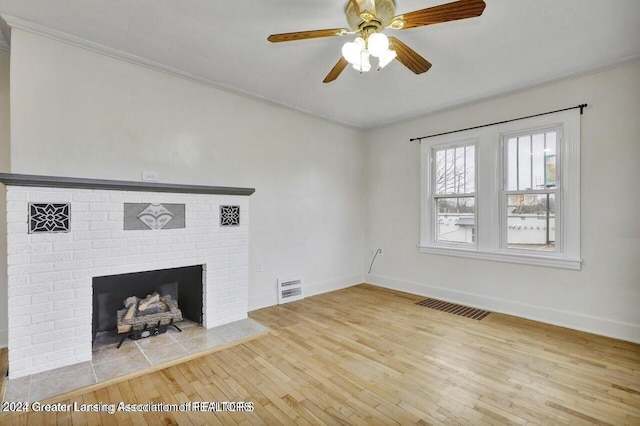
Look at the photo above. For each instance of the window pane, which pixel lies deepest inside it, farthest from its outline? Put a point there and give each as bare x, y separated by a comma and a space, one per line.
531, 162
440, 172
550, 159
456, 220
455, 170
524, 162
470, 169
531, 222
538, 161
512, 164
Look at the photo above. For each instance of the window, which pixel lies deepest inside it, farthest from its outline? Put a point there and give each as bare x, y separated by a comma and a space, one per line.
530, 191
454, 194
509, 192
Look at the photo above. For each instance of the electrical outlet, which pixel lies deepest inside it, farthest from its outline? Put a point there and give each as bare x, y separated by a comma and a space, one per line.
149, 176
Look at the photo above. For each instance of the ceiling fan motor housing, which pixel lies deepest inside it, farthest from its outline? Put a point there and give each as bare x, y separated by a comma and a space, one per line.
385, 10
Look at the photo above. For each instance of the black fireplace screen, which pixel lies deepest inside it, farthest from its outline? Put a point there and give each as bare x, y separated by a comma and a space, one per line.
183, 284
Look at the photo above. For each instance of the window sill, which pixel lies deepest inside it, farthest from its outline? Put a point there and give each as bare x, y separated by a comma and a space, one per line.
525, 259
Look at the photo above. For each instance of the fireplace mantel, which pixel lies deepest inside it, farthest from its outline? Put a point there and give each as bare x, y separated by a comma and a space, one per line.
122, 185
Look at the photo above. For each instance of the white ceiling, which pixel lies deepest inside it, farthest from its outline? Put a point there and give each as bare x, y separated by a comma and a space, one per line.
513, 45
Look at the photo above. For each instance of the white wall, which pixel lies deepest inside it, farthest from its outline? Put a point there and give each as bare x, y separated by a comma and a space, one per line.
4, 111
79, 113
605, 295
4, 167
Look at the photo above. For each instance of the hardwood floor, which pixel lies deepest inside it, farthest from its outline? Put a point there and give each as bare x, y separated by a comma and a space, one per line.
366, 355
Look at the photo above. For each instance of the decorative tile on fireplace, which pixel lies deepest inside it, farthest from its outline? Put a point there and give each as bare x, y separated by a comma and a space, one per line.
48, 217
229, 215
140, 216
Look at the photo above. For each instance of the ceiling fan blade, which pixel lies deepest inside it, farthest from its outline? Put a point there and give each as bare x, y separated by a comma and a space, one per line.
409, 58
461, 9
336, 70
303, 35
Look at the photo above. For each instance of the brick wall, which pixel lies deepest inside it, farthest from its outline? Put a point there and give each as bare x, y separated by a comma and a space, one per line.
50, 275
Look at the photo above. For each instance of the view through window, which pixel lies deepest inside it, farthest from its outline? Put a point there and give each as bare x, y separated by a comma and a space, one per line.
531, 185
454, 194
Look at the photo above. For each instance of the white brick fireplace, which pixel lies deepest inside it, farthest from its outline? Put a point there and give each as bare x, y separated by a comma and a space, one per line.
50, 274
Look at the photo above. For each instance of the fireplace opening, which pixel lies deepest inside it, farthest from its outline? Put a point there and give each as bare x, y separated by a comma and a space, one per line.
183, 285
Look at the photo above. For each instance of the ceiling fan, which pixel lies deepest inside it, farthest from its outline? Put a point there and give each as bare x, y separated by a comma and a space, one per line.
368, 18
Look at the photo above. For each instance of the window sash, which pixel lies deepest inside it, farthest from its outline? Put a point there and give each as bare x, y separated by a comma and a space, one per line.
434, 166
435, 197
437, 236
555, 190
557, 230
504, 148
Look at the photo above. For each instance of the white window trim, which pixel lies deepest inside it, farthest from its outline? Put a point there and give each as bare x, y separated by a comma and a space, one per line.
489, 175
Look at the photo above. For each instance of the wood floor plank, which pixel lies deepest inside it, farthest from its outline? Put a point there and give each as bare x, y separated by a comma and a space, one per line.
366, 355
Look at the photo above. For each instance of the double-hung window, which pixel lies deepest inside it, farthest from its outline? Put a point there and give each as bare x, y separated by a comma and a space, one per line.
453, 193
509, 192
531, 191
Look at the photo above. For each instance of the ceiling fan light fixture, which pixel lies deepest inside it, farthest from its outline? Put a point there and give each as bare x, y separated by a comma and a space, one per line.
378, 44
356, 54
359, 41
350, 52
362, 64
386, 58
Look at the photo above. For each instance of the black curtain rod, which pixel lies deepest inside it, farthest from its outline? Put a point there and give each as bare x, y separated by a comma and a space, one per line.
581, 106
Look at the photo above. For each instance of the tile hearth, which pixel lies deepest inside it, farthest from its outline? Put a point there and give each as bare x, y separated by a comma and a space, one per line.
109, 362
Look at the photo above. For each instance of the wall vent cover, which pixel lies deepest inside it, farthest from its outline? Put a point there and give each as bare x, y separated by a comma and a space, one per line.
289, 289
453, 308
229, 215
49, 217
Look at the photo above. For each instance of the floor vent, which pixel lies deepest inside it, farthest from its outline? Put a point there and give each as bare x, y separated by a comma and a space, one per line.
452, 308
289, 289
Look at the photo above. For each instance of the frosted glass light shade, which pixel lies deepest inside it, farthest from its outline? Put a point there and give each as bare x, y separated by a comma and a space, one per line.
350, 52
386, 58
362, 64
378, 44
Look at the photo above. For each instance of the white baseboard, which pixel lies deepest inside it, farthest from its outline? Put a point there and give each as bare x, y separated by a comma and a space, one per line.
310, 289
602, 326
